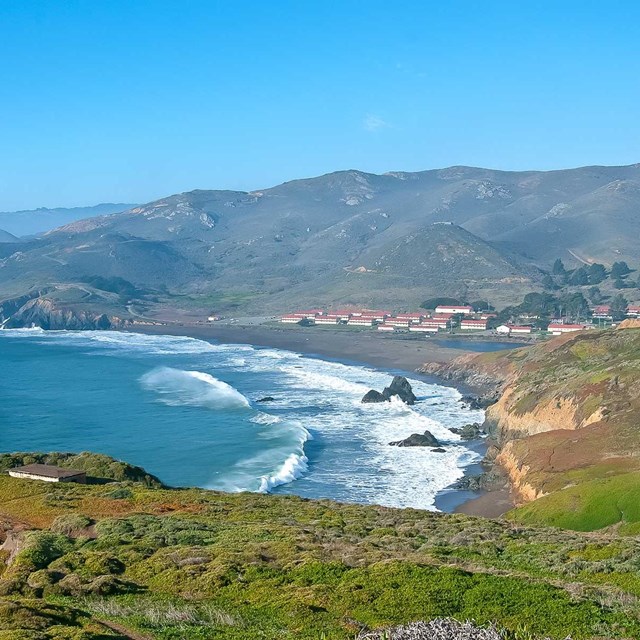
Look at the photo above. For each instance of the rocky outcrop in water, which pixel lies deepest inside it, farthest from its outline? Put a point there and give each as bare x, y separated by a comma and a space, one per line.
399, 387
426, 439
373, 396
468, 431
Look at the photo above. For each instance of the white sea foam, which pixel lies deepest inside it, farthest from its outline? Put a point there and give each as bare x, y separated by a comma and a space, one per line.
294, 466
377, 472
281, 463
264, 418
195, 388
21, 333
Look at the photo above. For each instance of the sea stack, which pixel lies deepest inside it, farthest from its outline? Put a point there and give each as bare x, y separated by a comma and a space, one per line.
399, 386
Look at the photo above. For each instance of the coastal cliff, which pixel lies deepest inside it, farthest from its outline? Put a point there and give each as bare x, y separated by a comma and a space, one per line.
565, 411
37, 309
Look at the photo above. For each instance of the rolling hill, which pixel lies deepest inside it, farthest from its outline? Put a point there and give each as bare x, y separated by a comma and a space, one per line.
345, 237
5, 236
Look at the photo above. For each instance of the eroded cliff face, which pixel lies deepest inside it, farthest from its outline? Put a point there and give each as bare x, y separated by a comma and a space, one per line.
567, 410
41, 311
505, 421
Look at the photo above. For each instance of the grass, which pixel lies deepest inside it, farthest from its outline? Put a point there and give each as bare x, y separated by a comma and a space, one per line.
198, 564
590, 505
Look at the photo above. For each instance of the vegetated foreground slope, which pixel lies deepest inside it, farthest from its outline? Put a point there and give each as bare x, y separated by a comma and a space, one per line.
566, 427
162, 563
346, 237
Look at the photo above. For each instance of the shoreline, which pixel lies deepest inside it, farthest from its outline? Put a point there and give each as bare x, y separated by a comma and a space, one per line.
369, 349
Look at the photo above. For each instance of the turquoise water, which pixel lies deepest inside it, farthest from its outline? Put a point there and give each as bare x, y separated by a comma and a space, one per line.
186, 410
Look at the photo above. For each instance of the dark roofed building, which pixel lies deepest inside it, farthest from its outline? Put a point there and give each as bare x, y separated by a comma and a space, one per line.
48, 473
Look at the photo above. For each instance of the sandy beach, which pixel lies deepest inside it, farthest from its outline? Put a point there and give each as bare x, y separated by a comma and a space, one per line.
359, 347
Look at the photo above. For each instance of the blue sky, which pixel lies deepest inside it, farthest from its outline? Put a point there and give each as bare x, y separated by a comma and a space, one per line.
131, 100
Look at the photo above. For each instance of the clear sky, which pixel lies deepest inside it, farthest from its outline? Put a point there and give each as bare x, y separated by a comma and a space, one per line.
131, 100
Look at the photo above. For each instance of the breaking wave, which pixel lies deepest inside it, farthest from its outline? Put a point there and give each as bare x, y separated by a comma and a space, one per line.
192, 388
294, 466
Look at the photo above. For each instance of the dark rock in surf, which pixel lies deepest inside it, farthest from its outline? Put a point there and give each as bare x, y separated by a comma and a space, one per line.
468, 431
438, 450
425, 439
374, 396
400, 387
266, 399
475, 403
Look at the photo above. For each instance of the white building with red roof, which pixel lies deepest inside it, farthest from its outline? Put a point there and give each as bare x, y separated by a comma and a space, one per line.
557, 329
424, 328
473, 325
454, 308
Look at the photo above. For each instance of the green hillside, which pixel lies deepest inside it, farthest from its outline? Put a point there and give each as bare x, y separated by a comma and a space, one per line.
171, 564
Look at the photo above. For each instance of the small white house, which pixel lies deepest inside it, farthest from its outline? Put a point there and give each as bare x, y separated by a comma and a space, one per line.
504, 329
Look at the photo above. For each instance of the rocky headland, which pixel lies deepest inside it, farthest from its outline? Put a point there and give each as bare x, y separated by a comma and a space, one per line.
563, 418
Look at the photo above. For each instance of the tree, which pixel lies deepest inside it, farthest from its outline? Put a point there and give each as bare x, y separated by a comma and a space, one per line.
538, 304
549, 283
595, 295
579, 277
620, 284
597, 273
432, 303
481, 305
619, 269
619, 306
574, 304
558, 267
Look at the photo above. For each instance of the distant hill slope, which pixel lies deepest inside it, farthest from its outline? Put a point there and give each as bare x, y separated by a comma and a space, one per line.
34, 221
349, 236
5, 236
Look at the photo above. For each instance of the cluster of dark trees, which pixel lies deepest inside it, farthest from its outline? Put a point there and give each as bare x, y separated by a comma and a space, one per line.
592, 274
478, 305
546, 306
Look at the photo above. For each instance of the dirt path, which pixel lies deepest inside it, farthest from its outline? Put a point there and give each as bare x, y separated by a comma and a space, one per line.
577, 257
126, 633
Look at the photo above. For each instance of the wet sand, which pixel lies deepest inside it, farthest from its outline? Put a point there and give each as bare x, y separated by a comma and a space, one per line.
367, 347
491, 504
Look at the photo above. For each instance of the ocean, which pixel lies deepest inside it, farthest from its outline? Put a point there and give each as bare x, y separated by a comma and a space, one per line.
187, 411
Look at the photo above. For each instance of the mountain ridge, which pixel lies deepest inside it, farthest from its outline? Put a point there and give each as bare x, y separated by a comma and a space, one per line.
316, 240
